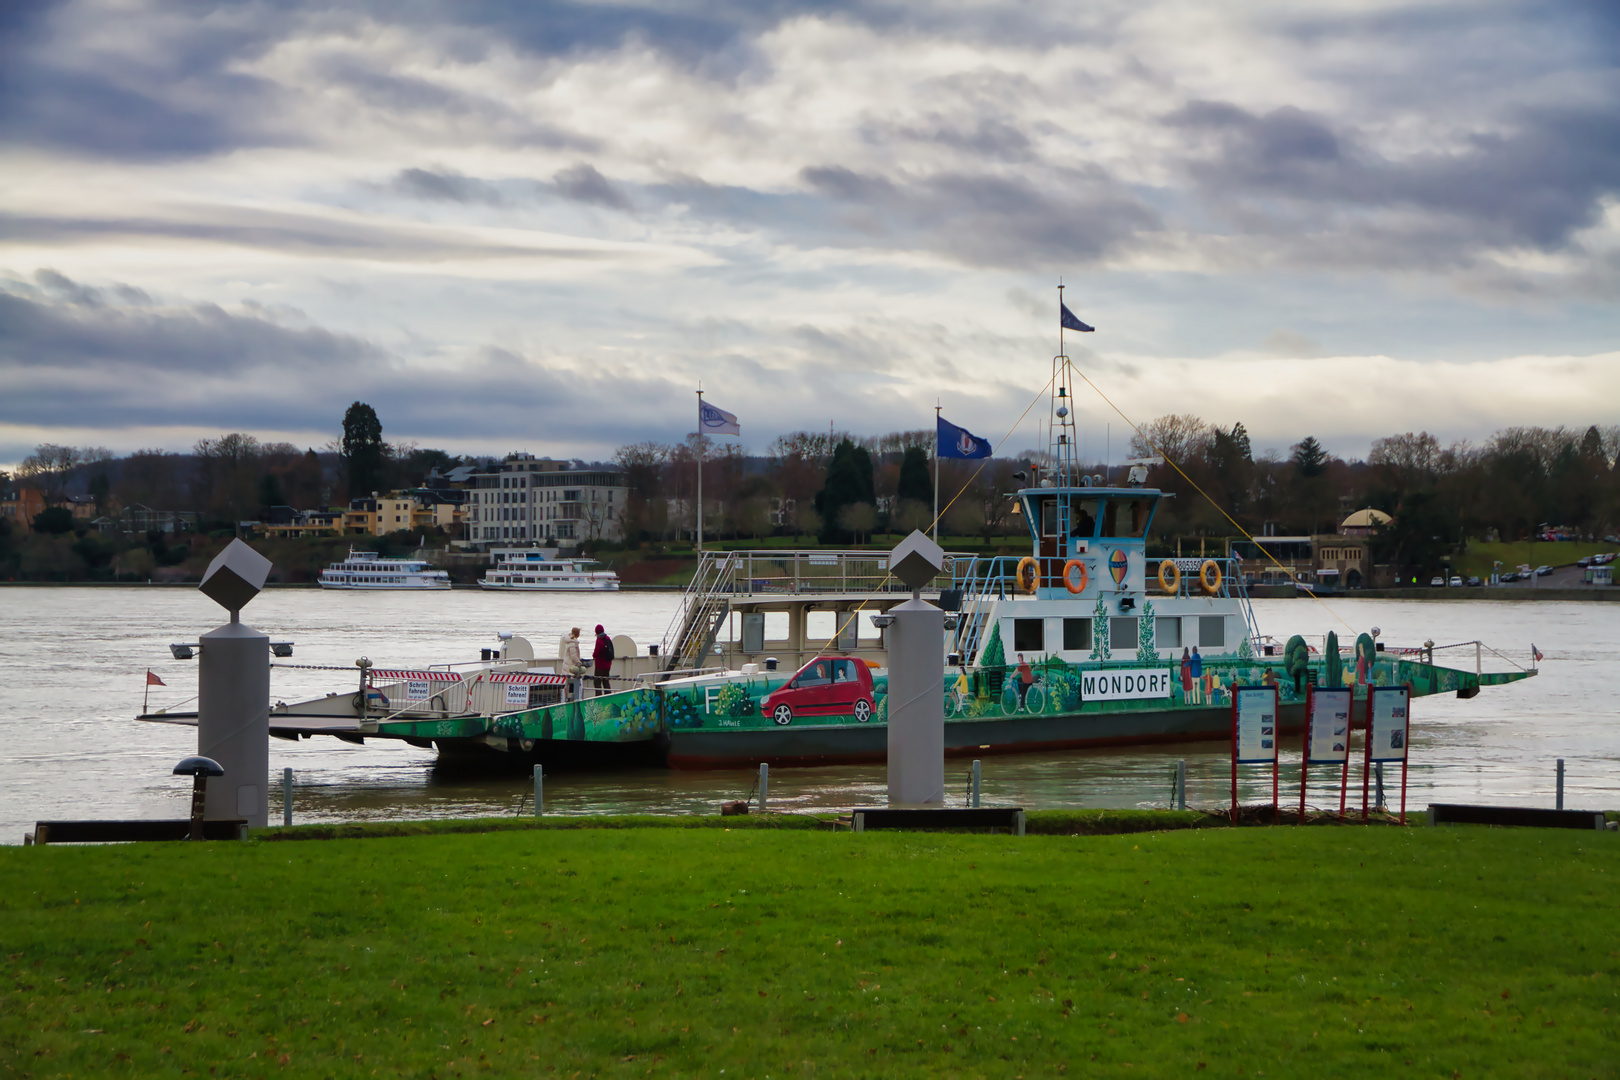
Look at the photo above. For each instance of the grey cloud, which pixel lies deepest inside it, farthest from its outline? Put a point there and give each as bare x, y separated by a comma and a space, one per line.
1533, 185
141, 91
285, 232
582, 183
987, 219
450, 186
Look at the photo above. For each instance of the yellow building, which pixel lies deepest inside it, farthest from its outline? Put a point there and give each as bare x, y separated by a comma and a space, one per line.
380, 514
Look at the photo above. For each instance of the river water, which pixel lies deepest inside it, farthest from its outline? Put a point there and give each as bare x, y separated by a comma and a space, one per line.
74, 663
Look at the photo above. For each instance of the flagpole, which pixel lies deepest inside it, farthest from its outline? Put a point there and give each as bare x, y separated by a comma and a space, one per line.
936, 470
700, 470
146, 696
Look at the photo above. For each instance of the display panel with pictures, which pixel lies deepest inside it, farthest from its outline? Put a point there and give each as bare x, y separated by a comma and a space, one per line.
1387, 731
1255, 724
1329, 725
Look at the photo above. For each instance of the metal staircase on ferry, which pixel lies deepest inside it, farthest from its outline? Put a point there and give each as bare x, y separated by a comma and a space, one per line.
704, 607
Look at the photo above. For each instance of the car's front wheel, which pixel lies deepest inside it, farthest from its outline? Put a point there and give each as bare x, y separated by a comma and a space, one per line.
863, 711
783, 715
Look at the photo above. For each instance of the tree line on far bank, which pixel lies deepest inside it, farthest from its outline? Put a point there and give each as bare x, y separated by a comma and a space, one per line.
841, 488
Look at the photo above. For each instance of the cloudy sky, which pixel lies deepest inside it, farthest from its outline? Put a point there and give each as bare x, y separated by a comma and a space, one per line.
538, 225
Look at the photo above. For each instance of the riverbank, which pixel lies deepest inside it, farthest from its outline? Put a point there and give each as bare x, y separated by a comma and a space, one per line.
681, 952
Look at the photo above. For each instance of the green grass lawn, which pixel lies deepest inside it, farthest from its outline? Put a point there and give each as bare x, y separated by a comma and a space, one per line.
756, 952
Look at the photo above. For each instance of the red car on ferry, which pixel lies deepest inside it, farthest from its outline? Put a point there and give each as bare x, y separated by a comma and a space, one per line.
826, 686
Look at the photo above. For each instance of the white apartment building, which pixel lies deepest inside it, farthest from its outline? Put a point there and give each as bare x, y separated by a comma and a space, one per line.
545, 501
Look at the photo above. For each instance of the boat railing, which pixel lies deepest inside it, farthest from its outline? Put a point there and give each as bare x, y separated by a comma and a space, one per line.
726, 577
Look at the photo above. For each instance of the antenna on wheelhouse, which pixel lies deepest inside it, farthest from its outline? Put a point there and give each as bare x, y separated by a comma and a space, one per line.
1062, 447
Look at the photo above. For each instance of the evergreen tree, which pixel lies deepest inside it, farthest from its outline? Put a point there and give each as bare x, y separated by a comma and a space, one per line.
1309, 457
362, 450
915, 481
849, 481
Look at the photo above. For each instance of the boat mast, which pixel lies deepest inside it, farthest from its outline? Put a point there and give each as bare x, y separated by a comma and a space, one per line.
936, 470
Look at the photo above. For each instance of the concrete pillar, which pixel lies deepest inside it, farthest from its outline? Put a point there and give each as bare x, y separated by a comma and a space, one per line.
233, 721
916, 641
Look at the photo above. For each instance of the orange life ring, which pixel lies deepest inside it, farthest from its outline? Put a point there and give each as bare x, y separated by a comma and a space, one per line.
1169, 576
1069, 569
1033, 577
1209, 576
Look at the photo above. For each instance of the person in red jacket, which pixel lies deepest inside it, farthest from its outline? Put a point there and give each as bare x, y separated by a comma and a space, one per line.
602, 657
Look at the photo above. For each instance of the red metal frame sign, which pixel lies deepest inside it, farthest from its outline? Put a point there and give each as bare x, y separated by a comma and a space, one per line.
1254, 735
1389, 731
1327, 738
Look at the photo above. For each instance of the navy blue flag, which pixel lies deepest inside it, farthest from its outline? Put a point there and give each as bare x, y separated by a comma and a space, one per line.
954, 442
1072, 323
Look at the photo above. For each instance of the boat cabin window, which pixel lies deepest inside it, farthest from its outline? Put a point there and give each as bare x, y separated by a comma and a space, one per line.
1029, 635
1211, 631
1167, 632
1122, 633
1127, 517
1049, 517
1076, 634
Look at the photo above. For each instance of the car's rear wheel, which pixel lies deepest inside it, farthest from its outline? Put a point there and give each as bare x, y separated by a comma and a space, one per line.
783, 715
863, 711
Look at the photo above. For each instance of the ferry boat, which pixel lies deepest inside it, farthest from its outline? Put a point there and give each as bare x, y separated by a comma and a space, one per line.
536, 570
368, 570
1085, 641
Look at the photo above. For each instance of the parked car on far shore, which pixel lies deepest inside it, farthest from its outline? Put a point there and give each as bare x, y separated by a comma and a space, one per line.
1543, 570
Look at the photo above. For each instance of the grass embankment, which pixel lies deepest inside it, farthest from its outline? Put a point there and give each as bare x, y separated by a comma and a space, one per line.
790, 952
1477, 560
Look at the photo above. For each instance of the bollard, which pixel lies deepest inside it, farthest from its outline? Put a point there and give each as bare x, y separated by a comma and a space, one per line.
1560, 783
975, 796
539, 792
1181, 784
286, 797
764, 783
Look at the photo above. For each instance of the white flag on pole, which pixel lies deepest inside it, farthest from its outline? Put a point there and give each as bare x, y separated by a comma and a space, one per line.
717, 421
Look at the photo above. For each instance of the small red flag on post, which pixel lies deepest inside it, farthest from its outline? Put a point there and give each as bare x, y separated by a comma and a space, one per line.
153, 680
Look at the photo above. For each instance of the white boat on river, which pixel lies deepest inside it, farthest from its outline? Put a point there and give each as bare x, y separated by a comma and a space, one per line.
532, 571
367, 570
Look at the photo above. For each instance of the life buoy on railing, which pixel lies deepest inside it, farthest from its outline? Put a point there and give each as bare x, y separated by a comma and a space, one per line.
1074, 576
1209, 576
1169, 576
1028, 574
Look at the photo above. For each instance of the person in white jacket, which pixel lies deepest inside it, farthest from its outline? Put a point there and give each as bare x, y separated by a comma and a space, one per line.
575, 666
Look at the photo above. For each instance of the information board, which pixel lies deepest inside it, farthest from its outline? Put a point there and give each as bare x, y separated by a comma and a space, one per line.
1386, 736
1329, 726
1256, 724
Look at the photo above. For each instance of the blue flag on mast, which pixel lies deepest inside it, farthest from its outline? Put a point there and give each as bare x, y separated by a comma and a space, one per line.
1072, 323
954, 442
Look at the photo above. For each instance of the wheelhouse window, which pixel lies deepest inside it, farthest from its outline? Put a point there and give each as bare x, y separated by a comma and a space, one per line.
1127, 518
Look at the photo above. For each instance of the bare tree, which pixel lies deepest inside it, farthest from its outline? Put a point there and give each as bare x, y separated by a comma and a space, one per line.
1179, 437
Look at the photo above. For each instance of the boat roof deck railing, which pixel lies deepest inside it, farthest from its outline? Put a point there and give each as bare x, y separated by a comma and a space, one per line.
728, 577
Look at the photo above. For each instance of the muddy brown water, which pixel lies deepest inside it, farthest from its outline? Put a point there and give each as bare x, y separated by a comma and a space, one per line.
74, 663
